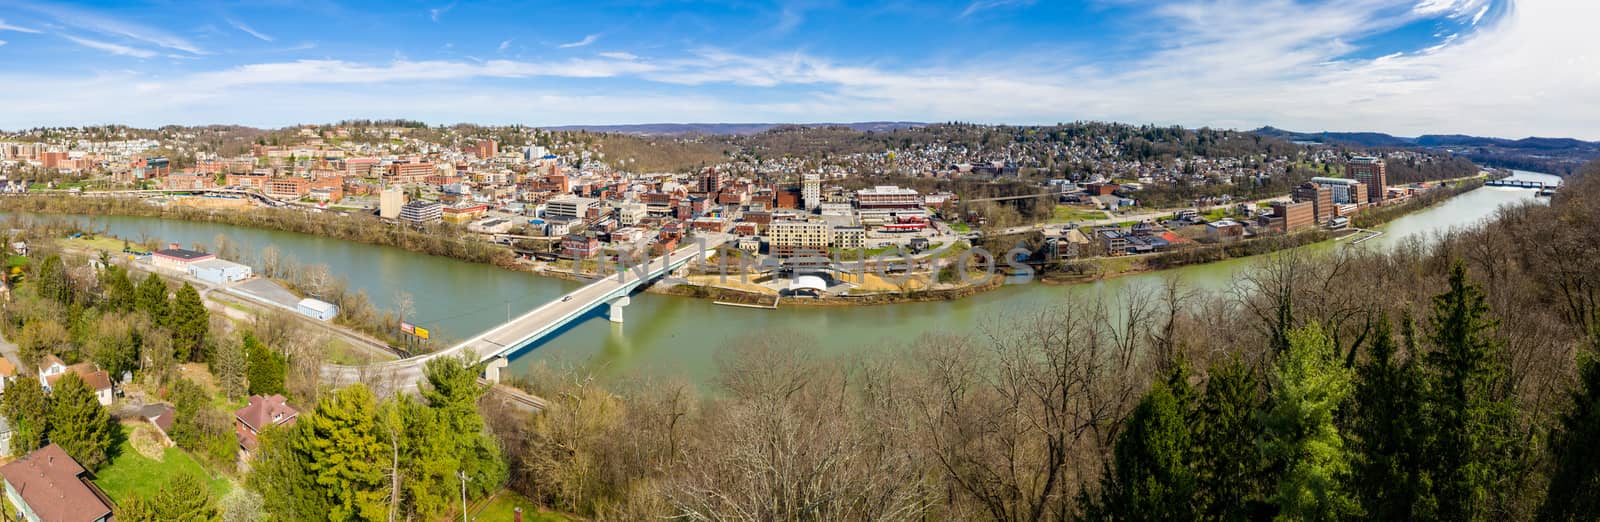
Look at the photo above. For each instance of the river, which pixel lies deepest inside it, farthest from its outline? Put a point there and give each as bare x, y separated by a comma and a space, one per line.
666, 336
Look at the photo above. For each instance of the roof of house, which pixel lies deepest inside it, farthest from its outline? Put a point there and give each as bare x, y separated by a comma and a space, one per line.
266, 410
184, 254
6, 368
96, 379
160, 414
52, 485
51, 359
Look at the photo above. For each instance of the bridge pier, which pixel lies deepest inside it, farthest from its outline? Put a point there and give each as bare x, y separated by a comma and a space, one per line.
616, 308
491, 371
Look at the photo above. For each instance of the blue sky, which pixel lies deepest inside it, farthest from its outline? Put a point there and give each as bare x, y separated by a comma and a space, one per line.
1402, 66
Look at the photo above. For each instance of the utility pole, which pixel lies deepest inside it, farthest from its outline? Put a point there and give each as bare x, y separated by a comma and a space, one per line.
463, 476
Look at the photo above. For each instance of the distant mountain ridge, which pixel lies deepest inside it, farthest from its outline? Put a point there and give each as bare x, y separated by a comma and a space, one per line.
1553, 155
672, 129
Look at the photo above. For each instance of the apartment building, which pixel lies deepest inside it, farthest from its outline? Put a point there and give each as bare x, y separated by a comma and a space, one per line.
796, 238
1373, 172
421, 212
569, 207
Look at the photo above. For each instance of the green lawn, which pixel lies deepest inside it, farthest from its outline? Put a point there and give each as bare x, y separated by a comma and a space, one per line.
961, 227
1065, 214
132, 474
504, 502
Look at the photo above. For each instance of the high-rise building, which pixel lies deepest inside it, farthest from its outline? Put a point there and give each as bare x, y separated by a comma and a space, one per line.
711, 181
389, 203
799, 238
487, 149
1373, 173
811, 191
421, 212
1289, 217
1321, 198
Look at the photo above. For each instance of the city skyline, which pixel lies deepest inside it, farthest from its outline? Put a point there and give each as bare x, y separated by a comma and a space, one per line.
1486, 67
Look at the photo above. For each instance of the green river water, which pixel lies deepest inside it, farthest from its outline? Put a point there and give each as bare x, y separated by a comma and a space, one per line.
676, 336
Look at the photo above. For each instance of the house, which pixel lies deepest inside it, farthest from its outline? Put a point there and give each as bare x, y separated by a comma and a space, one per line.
161, 416
51, 370
5, 437
8, 373
49, 486
263, 412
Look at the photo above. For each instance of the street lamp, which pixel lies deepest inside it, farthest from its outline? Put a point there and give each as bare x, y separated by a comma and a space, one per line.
464, 478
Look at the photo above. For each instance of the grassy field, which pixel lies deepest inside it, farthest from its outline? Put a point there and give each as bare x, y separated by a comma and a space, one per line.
132, 474
961, 227
1066, 214
103, 243
500, 508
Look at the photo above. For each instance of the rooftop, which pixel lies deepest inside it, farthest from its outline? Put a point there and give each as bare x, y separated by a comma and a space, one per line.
52, 485
179, 253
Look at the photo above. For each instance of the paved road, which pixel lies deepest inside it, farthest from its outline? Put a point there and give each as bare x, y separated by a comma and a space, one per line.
485, 346
1123, 218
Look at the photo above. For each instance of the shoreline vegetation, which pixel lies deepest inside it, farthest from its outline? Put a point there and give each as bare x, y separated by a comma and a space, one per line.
434, 241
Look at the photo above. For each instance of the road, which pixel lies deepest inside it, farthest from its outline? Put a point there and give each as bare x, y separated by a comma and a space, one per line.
1124, 218
488, 345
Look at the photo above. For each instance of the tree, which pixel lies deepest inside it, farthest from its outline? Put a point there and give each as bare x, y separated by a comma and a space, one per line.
1390, 477
1309, 383
1150, 479
453, 392
120, 292
1576, 479
153, 299
231, 365
190, 323
1471, 427
344, 455
27, 409
78, 423
185, 498
52, 282
266, 367
1227, 463
114, 345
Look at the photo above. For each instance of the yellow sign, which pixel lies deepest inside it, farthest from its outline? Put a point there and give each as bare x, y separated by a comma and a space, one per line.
422, 333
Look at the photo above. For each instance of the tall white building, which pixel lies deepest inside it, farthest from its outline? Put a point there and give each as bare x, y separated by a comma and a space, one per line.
811, 191
389, 203
569, 207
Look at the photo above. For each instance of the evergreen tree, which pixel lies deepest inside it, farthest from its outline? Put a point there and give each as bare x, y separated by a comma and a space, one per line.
282, 475
120, 292
453, 392
1470, 427
78, 423
266, 368
182, 499
1390, 477
51, 281
191, 323
152, 299
231, 365
1227, 464
343, 454
1150, 479
1574, 492
1309, 384
27, 409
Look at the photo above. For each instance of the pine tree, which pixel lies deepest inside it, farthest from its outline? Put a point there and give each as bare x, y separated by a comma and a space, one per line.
1227, 464
266, 368
453, 392
1390, 477
1470, 427
153, 299
120, 292
185, 499
27, 409
231, 365
1150, 479
78, 423
343, 453
191, 323
1574, 492
51, 281
1309, 384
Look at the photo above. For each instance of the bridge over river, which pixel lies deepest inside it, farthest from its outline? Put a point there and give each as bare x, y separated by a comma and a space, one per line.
495, 344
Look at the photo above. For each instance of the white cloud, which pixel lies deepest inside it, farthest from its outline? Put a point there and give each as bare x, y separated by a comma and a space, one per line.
581, 43
105, 25
1222, 63
249, 30
985, 5
437, 12
2, 42
121, 50
8, 27
504, 44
